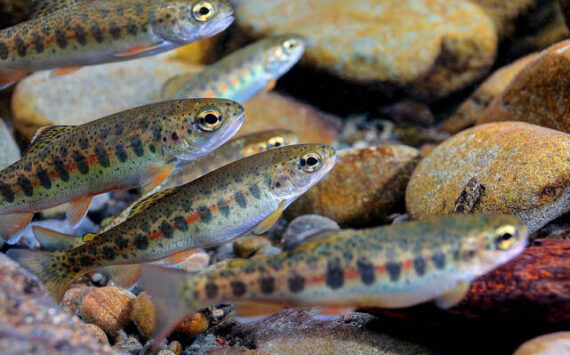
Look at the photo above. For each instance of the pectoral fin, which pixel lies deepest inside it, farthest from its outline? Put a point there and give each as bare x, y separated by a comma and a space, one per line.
63, 71
10, 224
53, 241
453, 296
123, 275
77, 210
270, 220
9, 78
135, 51
154, 174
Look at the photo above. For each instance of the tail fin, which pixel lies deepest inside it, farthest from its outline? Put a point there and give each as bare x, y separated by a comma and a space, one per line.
171, 306
47, 268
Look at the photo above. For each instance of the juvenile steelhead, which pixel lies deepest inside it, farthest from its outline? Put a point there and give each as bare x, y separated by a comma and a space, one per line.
242, 74
68, 34
137, 147
390, 267
233, 150
214, 209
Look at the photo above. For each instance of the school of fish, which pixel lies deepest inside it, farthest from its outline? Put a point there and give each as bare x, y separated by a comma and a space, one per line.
65, 35
200, 187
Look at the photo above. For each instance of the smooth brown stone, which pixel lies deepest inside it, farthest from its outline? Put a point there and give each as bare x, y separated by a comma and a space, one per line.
549, 344
108, 308
143, 315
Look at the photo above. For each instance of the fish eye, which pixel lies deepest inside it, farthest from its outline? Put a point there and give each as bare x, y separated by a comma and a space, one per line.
275, 142
289, 44
311, 162
209, 119
203, 11
505, 237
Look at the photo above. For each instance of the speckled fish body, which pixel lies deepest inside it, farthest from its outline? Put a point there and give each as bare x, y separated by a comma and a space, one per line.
391, 267
233, 150
214, 209
242, 74
80, 33
124, 150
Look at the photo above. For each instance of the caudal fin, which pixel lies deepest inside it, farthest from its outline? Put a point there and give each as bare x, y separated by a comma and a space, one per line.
46, 267
165, 288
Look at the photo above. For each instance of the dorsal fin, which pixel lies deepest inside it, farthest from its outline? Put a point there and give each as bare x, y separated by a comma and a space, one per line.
40, 8
150, 201
45, 135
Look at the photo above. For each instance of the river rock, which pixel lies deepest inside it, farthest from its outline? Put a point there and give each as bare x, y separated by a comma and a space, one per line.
538, 94
525, 170
303, 331
549, 344
107, 307
470, 110
425, 46
363, 188
305, 226
9, 151
143, 315
32, 323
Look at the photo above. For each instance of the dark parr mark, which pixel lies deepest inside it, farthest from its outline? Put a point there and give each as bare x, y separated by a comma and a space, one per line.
115, 31
121, 242
38, 42
60, 39
20, 47
97, 33
132, 28
238, 288
61, 169
240, 199
81, 162
180, 223
3, 50
80, 35
102, 157
86, 261
211, 290
394, 271
166, 230
137, 146
84, 142
296, 283
108, 253
439, 260
205, 214
26, 185
267, 285
335, 275
43, 176
255, 192
420, 266
6, 192
141, 242
224, 210
366, 271
120, 153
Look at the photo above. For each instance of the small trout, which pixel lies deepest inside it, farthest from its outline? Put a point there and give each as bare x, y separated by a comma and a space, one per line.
242, 74
216, 208
133, 148
233, 150
68, 34
390, 267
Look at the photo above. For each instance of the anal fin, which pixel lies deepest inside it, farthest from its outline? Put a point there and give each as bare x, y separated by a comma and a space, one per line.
11, 224
123, 275
178, 257
270, 220
77, 210
453, 296
63, 71
252, 309
135, 51
11, 77
52, 240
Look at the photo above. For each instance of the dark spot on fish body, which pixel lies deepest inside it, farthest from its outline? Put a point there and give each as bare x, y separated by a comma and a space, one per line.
84, 142
152, 148
120, 153
132, 28
145, 227
347, 255
255, 192
7, 192
267, 285
97, 33
240, 199
238, 288
121, 242
156, 131
296, 283
366, 271
20, 47
166, 230
439, 260
26, 185
63, 152
108, 253
334, 274
80, 35
114, 30
137, 146
102, 157
224, 210
211, 290
186, 206
420, 266
119, 129
38, 42
394, 271
205, 214
61, 169
180, 223
103, 133
4, 52
81, 162
60, 39
86, 261
141, 242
